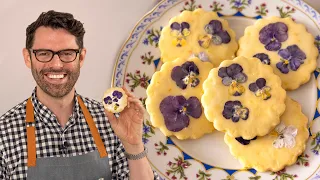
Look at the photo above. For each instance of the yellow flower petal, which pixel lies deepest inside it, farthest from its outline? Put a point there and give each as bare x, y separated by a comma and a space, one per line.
175, 33
186, 32
183, 42
175, 41
206, 40
236, 87
267, 88
241, 88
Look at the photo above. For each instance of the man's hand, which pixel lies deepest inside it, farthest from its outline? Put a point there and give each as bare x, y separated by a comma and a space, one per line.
128, 127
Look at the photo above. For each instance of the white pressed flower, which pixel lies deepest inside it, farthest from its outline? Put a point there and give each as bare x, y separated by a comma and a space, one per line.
286, 136
202, 56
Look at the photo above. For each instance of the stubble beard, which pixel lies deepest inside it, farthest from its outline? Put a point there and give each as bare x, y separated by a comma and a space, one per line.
56, 90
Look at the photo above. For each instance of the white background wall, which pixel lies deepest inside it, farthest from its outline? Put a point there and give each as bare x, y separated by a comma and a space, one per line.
108, 23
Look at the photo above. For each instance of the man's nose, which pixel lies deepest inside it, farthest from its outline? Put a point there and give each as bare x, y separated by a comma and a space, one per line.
56, 62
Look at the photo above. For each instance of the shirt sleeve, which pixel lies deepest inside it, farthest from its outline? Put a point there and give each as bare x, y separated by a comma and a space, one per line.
120, 166
3, 167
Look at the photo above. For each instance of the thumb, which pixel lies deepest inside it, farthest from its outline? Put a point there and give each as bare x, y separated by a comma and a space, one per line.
112, 119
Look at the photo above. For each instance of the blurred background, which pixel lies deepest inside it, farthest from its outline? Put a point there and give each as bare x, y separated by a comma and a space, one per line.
108, 23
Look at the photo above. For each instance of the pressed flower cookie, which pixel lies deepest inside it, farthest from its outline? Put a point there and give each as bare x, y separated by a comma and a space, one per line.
198, 32
115, 100
278, 149
243, 97
173, 98
284, 45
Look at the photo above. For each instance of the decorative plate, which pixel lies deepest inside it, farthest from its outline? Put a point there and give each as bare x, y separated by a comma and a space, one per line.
209, 157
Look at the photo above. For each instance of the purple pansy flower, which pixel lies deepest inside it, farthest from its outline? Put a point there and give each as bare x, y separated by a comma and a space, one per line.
117, 94
244, 141
180, 31
292, 56
108, 100
215, 34
260, 89
264, 58
273, 35
232, 76
178, 28
235, 111
177, 109
186, 74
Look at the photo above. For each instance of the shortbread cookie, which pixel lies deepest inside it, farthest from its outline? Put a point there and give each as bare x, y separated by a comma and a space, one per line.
197, 32
115, 100
243, 97
278, 149
173, 98
284, 45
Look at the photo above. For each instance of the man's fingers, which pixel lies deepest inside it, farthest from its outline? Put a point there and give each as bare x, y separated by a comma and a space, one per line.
131, 97
127, 92
134, 100
137, 105
112, 119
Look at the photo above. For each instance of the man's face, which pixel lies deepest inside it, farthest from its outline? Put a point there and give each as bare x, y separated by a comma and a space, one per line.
55, 78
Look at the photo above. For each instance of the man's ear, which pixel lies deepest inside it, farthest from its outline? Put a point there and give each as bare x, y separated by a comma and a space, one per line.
82, 56
27, 57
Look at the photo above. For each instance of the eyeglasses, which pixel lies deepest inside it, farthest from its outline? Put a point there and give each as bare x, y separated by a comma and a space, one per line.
46, 55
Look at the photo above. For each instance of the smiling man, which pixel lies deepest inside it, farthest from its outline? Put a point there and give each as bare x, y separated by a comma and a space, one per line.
59, 134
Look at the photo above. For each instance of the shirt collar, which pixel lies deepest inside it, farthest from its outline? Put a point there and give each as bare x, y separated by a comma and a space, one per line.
46, 115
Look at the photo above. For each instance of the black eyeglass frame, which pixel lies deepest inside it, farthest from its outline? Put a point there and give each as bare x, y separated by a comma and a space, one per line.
77, 51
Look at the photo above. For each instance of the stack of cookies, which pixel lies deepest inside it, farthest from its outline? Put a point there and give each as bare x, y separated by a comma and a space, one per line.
203, 86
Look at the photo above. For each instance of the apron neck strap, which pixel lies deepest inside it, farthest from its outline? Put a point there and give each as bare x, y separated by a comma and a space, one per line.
31, 137
94, 131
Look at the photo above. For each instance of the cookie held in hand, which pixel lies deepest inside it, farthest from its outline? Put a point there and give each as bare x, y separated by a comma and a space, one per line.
115, 100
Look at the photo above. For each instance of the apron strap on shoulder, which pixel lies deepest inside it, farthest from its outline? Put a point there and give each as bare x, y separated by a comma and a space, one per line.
94, 131
31, 137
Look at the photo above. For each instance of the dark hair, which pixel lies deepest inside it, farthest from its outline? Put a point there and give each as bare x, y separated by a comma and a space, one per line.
56, 20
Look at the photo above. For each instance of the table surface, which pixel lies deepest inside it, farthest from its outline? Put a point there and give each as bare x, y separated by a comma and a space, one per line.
314, 3
107, 22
